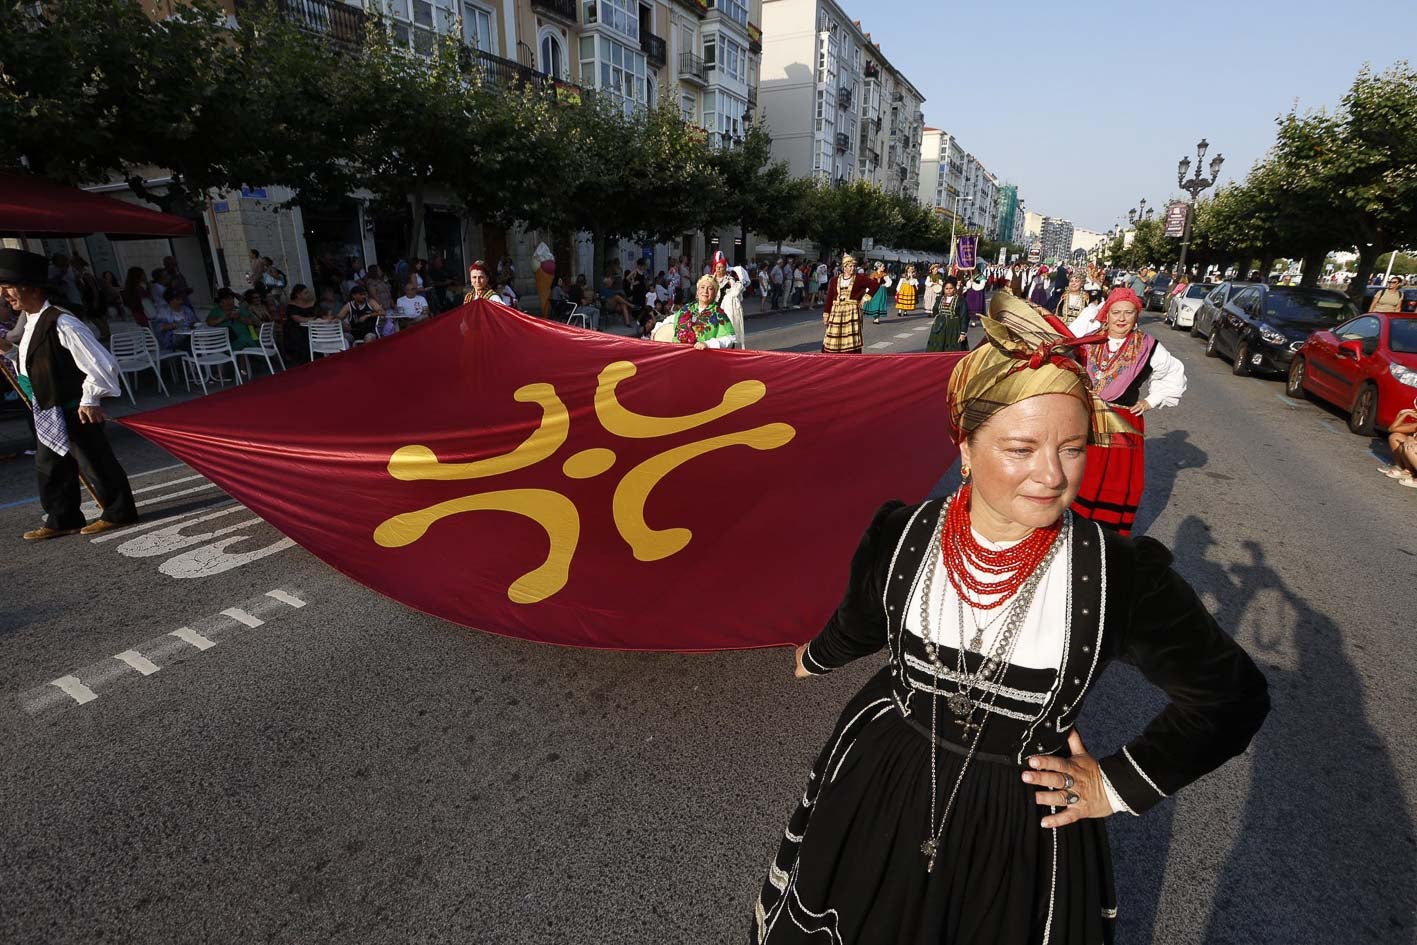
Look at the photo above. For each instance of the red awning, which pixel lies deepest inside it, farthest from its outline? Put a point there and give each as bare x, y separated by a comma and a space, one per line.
33, 206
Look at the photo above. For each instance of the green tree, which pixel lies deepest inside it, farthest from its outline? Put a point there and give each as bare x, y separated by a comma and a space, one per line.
1359, 162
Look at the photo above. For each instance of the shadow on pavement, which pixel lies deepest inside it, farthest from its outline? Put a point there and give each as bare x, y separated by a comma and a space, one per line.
1166, 456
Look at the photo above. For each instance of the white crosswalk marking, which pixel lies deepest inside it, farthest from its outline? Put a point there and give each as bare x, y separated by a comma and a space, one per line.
904, 334
188, 635
285, 598
242, 617
884, 344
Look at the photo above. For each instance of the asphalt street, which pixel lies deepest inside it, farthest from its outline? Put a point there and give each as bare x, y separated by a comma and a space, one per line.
209, 736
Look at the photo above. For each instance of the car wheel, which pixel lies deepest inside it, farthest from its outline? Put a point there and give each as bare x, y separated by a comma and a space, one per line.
1294, 387
1240, 367
1212, 344
1363, 417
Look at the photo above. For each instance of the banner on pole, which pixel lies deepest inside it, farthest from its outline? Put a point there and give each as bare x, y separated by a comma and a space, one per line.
522, 477
967, 247
1176, 214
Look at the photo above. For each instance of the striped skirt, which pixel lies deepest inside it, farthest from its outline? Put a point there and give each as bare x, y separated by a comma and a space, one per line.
1113, 482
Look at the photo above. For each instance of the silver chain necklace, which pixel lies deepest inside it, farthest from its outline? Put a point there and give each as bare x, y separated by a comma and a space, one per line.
986, 679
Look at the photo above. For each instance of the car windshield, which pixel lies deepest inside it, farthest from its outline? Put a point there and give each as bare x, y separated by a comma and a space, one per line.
1308, 307
1402, 335
1160, 282
1198, 290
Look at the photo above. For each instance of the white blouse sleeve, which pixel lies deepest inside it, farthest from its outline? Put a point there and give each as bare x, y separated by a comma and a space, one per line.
98, 364
1086, 323
1168, 379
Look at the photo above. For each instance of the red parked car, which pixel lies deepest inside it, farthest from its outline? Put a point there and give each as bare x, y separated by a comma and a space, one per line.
1367, 365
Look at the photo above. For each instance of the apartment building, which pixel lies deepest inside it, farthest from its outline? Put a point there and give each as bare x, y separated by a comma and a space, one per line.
981, 210
941, 171
1056, 235
701, 55
892, 125
837, 109
1011, 215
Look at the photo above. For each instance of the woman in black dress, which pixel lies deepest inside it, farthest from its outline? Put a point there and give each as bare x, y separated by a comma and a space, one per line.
954, 802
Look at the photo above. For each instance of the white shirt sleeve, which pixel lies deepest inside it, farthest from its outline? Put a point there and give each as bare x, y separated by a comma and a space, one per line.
724, 341
1119, 806
1086, 323
97, 362
1168, 379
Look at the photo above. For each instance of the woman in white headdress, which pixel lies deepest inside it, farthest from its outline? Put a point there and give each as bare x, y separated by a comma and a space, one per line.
731, 284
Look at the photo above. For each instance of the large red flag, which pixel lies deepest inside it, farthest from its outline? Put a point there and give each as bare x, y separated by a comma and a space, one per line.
525, 478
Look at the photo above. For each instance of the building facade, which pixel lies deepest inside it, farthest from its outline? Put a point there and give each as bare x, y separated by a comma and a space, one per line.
941, 171
838, 111
1057, 237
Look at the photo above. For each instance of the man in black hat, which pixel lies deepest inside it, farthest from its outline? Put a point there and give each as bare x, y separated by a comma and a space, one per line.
65, 372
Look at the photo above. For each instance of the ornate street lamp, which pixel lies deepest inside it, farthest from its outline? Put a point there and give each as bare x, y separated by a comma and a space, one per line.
1194, 186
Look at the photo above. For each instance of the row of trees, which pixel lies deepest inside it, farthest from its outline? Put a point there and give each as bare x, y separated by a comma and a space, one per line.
94, 88
1342, 180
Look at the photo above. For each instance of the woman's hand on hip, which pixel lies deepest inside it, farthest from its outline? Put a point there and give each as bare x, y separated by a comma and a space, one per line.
1077, 779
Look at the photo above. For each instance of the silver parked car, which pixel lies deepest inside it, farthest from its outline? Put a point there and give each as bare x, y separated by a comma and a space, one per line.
1209, 311
1181, 308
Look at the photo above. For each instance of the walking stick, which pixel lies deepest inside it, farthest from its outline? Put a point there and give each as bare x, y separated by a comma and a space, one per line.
5, 369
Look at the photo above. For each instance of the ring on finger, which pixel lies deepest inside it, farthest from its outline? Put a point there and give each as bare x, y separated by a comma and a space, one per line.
1068, 782
1071, 797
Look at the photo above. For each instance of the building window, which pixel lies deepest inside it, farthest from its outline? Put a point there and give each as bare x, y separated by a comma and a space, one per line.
622, 16
735, 10
616, 70
688, 109
732, 59
553, 55
710, 51
478, 30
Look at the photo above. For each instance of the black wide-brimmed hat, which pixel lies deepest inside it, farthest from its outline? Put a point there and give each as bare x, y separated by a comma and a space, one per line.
18, 267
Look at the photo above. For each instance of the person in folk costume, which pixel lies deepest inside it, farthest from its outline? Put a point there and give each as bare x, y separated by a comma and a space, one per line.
906, 291
1061, 277
1120, 359
731, 285
934, 283
846, 292
701, 323
1039, 288
951, 326
876, 304
976, 297
1070, 307
955, 801
1018, 280
481, 282
65, 373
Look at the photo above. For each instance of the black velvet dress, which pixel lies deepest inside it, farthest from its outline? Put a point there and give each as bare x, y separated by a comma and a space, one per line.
850, 870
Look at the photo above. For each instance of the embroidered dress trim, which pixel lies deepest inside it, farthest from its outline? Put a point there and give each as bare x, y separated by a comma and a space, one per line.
1144, 776
944, 672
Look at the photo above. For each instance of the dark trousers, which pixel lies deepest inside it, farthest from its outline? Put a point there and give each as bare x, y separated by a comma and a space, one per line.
90, 454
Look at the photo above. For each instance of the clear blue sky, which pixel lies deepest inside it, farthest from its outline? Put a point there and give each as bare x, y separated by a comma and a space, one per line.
1088, 106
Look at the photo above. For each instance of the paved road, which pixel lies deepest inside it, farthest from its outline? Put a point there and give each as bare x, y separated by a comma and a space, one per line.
251, 748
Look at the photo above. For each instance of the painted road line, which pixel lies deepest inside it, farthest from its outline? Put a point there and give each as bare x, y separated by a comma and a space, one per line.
158, 470
90, 508
71, 687
163, 652
904, 334
188, 635
165, 520
164, 485
1287, 401
240, 616
131, 476
884, 344
138, 661
921, 328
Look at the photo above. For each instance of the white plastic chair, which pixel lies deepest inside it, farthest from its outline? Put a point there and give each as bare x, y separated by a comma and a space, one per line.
210, 347
130, 350
575, 313
326, 338
155, 349
267, 347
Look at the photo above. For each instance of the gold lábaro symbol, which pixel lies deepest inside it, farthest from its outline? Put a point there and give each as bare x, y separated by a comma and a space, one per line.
554, 512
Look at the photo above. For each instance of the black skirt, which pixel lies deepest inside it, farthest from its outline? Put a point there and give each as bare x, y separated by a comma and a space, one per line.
850, 870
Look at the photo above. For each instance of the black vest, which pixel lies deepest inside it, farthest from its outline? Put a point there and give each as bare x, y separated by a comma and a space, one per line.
51, 370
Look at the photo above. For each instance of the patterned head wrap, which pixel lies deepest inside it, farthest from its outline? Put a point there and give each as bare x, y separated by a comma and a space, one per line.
1029, 353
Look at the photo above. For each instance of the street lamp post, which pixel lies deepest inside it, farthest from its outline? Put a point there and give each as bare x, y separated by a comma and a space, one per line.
1194, 186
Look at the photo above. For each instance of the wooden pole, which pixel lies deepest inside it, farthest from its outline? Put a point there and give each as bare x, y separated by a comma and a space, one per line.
5, 369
